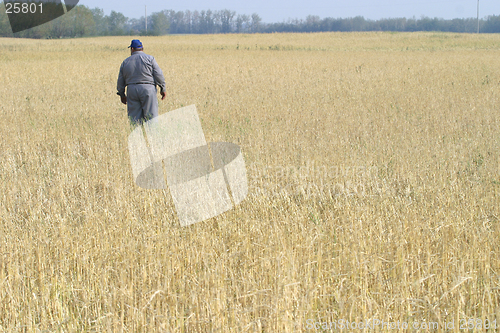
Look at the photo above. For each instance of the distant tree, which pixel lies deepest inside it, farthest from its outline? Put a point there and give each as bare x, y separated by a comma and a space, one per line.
226, 17
389, 25
358, 23
239, 24
136, 26
209, 22
312, 23
188, 15
331, 24
492, 24
202, 24
116, 23
82, 22
246, 22
428, 24
59, 28
176, 21
195, 22
217, 22
256, 21
160, 24
100, 20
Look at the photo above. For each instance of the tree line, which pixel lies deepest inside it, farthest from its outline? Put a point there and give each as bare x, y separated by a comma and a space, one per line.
86, 22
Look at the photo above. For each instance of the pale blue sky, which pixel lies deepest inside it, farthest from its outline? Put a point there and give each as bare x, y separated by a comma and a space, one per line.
281, 10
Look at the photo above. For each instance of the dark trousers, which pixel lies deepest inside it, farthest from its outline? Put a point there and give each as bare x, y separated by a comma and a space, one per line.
142, 103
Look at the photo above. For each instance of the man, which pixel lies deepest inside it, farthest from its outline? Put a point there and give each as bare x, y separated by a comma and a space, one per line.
140, 74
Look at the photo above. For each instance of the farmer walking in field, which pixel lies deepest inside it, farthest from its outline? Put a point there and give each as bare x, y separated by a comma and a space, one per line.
141, 74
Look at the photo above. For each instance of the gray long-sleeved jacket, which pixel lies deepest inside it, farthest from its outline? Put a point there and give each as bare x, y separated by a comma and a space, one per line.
139, 68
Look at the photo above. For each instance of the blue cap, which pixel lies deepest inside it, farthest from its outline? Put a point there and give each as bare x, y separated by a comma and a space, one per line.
136, 44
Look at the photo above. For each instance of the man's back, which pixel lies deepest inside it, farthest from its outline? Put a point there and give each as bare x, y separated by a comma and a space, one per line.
140, 68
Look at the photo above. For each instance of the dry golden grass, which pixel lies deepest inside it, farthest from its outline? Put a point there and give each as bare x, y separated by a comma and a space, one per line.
374, 174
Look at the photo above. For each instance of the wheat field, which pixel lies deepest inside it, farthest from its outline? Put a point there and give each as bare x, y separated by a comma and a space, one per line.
374, 186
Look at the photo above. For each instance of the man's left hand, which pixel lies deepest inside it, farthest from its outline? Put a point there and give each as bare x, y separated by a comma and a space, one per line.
124, 99
163, 95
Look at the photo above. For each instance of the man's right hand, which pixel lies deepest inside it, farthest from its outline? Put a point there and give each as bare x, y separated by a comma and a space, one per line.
124, 99
163, 95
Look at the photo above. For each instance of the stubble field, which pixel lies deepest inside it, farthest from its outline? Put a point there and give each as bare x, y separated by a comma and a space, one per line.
374, 186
